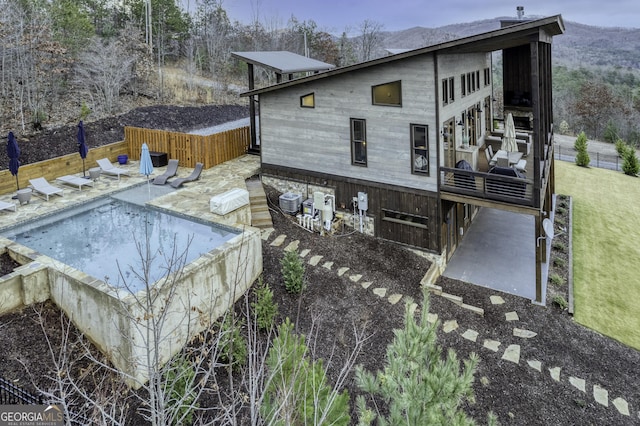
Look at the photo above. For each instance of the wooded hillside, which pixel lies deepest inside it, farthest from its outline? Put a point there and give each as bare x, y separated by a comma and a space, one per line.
65, 60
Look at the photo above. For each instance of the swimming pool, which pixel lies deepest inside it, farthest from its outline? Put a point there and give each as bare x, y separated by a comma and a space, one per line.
120, 321
117, 241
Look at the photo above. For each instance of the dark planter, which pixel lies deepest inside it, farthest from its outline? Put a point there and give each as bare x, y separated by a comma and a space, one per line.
122, 159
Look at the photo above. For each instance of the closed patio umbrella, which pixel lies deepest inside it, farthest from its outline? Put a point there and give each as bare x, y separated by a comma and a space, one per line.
82, 146
13, 152
146, 165
509, 139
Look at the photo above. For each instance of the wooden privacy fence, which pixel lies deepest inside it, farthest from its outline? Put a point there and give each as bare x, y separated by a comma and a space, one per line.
69, 164
209, 150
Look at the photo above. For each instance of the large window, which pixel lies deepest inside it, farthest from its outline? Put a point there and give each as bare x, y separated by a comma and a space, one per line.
358, 142
419, 149
387, 94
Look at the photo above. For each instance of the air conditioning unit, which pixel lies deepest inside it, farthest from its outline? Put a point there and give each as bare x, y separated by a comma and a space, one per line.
290, 202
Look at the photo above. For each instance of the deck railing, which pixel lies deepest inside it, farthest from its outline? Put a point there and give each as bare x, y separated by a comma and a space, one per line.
488, 186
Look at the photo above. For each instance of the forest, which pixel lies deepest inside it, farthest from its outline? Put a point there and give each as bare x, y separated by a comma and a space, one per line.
64, 60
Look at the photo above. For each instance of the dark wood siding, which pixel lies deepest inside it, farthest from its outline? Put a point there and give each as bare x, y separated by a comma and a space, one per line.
407, 204
516, 68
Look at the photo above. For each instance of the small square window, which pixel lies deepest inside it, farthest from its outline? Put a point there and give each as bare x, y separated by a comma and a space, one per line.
308, 101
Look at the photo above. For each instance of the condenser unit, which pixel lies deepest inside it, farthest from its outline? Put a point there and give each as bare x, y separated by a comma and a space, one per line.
290, 202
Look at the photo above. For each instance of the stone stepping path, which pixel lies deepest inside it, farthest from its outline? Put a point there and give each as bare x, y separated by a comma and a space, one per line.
315, 260
512, 352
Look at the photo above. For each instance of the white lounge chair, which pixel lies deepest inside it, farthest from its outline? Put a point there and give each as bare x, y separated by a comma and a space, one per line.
111, 170
44, 188
7, 206
171, 171
76, 181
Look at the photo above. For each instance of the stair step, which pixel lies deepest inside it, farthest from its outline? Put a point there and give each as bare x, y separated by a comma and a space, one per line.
260, 216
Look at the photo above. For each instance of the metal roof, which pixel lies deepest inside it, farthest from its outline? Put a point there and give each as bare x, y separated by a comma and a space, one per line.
503, 38
396, 51
283, 62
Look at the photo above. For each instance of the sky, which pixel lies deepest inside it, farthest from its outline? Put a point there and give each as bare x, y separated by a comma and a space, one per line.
336, 16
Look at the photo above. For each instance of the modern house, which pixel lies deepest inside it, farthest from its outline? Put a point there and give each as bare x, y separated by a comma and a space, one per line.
397, 128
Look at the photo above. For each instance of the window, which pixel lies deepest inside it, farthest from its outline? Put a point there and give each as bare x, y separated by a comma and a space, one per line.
405, 218
445, 92
469, 89
463, 84
487, 76
478, 80
419, 149
452, 89
308, 101
387, 94
358, 142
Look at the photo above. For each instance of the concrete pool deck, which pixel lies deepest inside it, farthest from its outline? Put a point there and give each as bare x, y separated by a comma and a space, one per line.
191, 199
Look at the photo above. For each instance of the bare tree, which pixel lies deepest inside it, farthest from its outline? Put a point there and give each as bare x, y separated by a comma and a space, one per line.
33, 63
90, 389
104, 69
214, 29
370, 39
595, 103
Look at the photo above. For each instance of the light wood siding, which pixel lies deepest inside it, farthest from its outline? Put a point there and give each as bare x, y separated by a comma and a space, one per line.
318, 139
454, 65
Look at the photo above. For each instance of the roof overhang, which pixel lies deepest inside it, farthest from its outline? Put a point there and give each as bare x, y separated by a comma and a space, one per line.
515, 35
283, 62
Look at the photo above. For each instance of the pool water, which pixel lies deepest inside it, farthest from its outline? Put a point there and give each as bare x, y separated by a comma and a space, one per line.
112, 240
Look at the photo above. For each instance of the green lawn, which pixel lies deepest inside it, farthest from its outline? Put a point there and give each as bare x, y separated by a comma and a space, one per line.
606, 249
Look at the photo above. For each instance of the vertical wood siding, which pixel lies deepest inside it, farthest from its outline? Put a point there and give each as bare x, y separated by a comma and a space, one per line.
419, 203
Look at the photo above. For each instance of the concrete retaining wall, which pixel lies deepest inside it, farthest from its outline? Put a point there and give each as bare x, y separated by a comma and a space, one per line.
116, 321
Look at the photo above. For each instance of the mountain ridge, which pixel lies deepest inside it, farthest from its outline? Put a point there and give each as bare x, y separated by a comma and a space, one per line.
580, 45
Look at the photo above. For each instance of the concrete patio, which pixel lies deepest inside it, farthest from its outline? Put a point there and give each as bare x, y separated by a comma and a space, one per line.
498, 252
191, 199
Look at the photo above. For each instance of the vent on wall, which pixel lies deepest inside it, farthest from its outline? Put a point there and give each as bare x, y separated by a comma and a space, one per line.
290, 202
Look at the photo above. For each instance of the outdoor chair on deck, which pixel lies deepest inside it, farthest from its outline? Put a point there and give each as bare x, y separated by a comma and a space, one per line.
521, 166
172, 169
109, 169
195, 175
7, 206
488, 156
76, 181
42, 187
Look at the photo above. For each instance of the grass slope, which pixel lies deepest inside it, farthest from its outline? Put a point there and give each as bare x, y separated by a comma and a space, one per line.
606, 249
